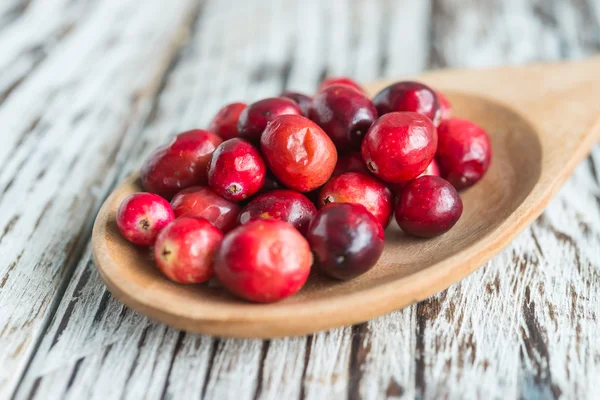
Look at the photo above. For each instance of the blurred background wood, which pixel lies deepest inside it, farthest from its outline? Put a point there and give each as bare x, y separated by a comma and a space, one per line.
89, 88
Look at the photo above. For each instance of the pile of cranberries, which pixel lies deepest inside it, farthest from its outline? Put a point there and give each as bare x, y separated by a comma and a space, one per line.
272, 187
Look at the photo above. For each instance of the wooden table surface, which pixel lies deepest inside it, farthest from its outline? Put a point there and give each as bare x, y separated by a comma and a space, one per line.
89, 88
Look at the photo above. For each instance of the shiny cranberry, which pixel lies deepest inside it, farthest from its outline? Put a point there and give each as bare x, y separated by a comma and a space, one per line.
399, 146
225, 122
201, 202
445, 107
432, 169
284, 205
236, 170
142, 216
303, 101
255, 118
344, 114
359, 188
351, 162
408, 96
180, 164
346, 240
340, 81
428, 206
299, 153
464, 152
263, 261
185, 250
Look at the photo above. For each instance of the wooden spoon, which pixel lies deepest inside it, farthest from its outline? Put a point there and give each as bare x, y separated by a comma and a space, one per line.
543, 119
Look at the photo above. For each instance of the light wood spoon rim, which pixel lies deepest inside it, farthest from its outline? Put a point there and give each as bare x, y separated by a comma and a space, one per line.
359, 306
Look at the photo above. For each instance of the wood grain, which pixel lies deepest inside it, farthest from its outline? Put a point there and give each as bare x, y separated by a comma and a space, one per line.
486, 337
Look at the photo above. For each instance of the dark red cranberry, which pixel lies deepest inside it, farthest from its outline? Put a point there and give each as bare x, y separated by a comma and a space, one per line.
344, 114
142, 216
225, 122
255, 118
408, 96
284, 205
428, 206
340, 81
185, 250
299, 153
432, 169
236, 170
263, 261
346, 240
359, 188
303, 101
201, 202
180, 164
271, 183
445, 107
351, 162
399, 146
464, 152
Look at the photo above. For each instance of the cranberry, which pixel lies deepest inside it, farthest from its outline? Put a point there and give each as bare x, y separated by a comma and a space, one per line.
299, 153
340, 81
271, 183
180, 164
236, 170
428, 206
346, 240
225, 123
344, 114
464, 152
185, 249
142, 216
263, 261
445, 106
255, 118
408, 96
351, 162
359, 188
201, 202
285, 205
303, 101
432, 169
399, 146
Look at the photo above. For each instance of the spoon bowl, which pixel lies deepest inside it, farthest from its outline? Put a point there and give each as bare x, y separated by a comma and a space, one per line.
542, 121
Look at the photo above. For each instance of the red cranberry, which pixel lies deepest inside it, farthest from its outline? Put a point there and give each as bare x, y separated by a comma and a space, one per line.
201, 202
359, 188
303, 101
351, 162
225, 123
271, 183
428, 206
236, 170
445, 106
299, 153
408, 96
344, 114
340, 81
285, 205
464, 152
180, 164
142, 216
263, 261
185, 250
346, 240
255, 118
432, 169
399, 146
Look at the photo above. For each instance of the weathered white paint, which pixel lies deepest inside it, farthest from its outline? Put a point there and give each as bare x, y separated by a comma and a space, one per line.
524, 325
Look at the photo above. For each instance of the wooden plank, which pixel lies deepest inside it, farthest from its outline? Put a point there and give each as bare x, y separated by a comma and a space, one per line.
524, 325
66, 128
